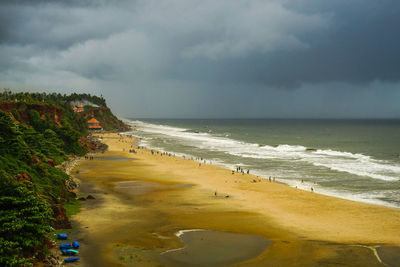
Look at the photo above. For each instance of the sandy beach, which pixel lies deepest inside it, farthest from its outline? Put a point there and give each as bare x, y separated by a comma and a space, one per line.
142, 200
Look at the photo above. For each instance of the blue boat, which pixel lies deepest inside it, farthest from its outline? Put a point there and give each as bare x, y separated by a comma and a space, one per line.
62, 236
69, 252
72, 259
65, 246
75, 244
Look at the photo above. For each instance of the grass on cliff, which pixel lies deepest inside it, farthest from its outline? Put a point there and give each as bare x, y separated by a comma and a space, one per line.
73, 207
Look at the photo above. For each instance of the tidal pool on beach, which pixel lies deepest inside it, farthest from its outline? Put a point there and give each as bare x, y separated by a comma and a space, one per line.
141, 187
214, 248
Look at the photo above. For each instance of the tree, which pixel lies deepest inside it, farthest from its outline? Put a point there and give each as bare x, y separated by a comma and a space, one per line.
11, 139
24, 221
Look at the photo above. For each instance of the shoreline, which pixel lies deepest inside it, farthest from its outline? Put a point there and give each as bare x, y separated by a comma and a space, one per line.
368, 176
271, 210
325, 191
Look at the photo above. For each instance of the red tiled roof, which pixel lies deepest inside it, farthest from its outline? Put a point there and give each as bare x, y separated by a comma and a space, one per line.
93, 120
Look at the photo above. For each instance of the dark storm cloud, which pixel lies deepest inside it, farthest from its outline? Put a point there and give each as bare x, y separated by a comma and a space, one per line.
360, 45
205, 49
49, 25
61, 2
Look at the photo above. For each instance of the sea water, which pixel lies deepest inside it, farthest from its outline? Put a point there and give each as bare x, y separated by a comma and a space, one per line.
353, 159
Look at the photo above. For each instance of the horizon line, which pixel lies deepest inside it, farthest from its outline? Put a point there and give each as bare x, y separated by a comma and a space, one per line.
258, 118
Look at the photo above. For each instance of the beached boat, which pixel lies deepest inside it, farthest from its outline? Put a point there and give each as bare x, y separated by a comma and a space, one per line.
69, 252
65, 245
72, 259
62, 236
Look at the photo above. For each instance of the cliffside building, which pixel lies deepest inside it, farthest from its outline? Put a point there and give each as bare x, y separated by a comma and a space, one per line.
78, 109
94, 125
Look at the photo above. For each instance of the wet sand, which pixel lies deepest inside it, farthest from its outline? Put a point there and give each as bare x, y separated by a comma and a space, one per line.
213, 248
163, 195
389, 255
141, 187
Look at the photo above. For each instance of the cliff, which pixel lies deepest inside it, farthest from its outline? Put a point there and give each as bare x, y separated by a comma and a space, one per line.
38, 132
20, 111
56, 111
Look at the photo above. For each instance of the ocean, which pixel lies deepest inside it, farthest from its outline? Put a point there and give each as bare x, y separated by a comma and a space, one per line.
352, 159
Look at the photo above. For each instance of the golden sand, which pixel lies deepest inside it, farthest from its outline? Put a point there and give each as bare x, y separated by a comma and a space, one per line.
306, 229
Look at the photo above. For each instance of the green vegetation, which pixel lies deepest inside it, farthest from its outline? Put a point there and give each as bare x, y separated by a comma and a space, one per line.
28, 184
54, 98
38, 131
73, 207
61, 105
24, 221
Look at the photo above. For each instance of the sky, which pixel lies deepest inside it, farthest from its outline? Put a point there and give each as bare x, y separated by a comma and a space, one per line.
209, 58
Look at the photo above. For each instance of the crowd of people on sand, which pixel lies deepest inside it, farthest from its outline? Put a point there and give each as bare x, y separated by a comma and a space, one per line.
200, 160
132, 150
241, 170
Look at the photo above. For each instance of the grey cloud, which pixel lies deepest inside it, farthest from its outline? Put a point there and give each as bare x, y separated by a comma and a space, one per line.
62, 2
261, 26
54, 26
